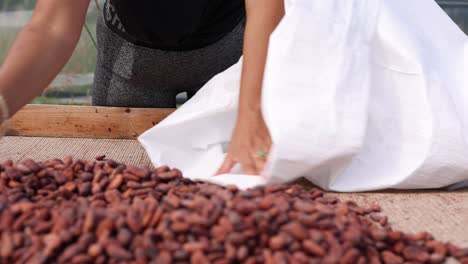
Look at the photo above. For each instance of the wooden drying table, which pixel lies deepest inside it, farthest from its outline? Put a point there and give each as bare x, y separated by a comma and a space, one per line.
46, 132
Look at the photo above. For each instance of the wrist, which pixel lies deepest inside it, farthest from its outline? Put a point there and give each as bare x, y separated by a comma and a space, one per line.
250, 103
249, 115
249, 111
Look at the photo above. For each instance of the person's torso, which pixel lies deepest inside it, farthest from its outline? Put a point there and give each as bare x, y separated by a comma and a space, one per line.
173, 24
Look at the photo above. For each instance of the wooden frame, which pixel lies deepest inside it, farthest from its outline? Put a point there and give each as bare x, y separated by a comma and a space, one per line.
84, 121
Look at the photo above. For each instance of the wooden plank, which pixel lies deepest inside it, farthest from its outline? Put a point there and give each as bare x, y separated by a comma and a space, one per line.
84, 121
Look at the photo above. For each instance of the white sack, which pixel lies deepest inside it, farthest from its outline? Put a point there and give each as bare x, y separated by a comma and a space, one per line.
358, 95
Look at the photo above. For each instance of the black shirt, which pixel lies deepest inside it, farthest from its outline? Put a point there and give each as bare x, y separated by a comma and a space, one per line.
173, 24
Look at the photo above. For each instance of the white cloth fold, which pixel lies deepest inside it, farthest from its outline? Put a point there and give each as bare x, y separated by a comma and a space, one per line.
358, 96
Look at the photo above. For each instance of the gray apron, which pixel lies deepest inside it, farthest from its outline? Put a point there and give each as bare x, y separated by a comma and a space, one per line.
133, 76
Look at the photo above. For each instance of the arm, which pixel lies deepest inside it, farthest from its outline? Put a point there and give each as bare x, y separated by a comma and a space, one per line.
262, 18
41, 49
251, 134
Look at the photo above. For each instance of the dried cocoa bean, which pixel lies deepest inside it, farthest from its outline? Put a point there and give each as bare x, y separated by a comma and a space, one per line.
32, 165
140, 173
168, 176
296, 230
198, 258
179, 227
70, 252
6, 248
117, 252
124, 236
351, 256
313, 248
84, 189
95, 250
100, 158
104, 212
415, 253
82, 259
390, 258
436, 258
277, 242
116, 182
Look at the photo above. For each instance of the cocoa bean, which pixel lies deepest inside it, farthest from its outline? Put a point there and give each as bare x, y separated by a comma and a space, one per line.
296, 230
181, 255
140, 173
82, 259
32, 165
242, 253
437, 247
6, 248
124, 236
246, 207
383, 221
130, 177
133, 221
113, 196
105, 212
313, 248
415, 253
390, 258
351, 256
100, 158
456, 251
84, 189
71, 251
266, 203
179, 227
168, 176
195, 246
133, 185
198, 258
164, 257
376, 208
116, 182
95, 250
304, 207
117, 252
436, 258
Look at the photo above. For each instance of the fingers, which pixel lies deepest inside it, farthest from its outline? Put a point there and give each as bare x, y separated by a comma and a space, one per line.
227, 165
252, 163
260, 165
249, 169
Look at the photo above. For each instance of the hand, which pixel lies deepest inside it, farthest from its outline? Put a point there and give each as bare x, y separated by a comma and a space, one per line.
249, 146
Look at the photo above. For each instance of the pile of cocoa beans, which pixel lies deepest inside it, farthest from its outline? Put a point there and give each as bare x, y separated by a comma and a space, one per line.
73, 211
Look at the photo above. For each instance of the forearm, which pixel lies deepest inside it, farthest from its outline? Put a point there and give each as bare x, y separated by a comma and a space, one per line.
41, 49
28, 69
263, 17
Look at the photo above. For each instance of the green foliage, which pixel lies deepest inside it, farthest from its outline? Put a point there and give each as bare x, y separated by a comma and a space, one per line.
58, 101
8, 5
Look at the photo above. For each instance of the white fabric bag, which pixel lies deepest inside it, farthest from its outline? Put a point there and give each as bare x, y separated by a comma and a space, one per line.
413, 132
358, 95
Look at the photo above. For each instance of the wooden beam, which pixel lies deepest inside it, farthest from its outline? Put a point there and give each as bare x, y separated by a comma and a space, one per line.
84, 121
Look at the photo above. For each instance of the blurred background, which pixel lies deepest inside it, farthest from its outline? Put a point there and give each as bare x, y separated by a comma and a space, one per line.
74, 83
